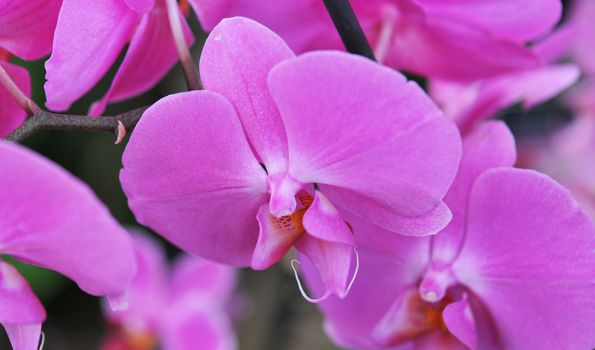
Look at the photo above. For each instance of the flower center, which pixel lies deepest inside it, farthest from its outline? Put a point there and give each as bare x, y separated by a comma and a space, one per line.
409, 319
123, 339
293, 224
142, 341
424, 317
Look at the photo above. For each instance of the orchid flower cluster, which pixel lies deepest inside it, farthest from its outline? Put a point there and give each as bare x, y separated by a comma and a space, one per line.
412, 227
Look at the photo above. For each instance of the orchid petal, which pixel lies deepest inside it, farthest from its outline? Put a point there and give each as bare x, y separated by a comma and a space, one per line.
190, 273
24, 337
21, 313
89, 37
74, 234
300, 23
276, 237
365, 207
191, 323
141, 71
141, 6
235, 62
19, 305
532, 86
207, 200
146, 293
323, 221
581, 17
528, 254
489, 145
519, 21
346, 117
28, 27
12, 114
458, 317
557, 44
453, 50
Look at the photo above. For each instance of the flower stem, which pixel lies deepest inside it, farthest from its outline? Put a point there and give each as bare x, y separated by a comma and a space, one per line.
25, 102
348, 26
190, 72
44, 120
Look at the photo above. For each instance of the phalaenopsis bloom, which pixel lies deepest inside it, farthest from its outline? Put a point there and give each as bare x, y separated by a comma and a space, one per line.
50, 219
278, 147
89, 37
182, 307
26, 33
469, 102
447, 39
513, 270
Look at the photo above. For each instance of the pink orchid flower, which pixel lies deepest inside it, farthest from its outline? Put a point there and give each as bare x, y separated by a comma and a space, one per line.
90, 36
374, 144
179, 308
50, 219
447, 39
468, 103
513, 270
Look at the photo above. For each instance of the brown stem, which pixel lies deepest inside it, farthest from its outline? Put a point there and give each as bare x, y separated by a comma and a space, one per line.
44, 120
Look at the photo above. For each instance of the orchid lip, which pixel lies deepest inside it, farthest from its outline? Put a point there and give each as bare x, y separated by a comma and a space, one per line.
341, 294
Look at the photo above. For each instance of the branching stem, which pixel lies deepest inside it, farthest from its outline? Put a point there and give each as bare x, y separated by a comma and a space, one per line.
44, 120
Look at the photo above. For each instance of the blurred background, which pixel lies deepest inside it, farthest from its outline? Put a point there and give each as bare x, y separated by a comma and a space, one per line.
275, 314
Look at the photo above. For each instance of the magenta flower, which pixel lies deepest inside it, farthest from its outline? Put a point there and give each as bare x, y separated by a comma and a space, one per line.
180, 309
50, 219
513, 270
468, 103
447, 39
89, 37
374, 143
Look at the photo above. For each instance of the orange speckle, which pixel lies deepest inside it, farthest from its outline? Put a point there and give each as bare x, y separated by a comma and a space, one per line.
293, 223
